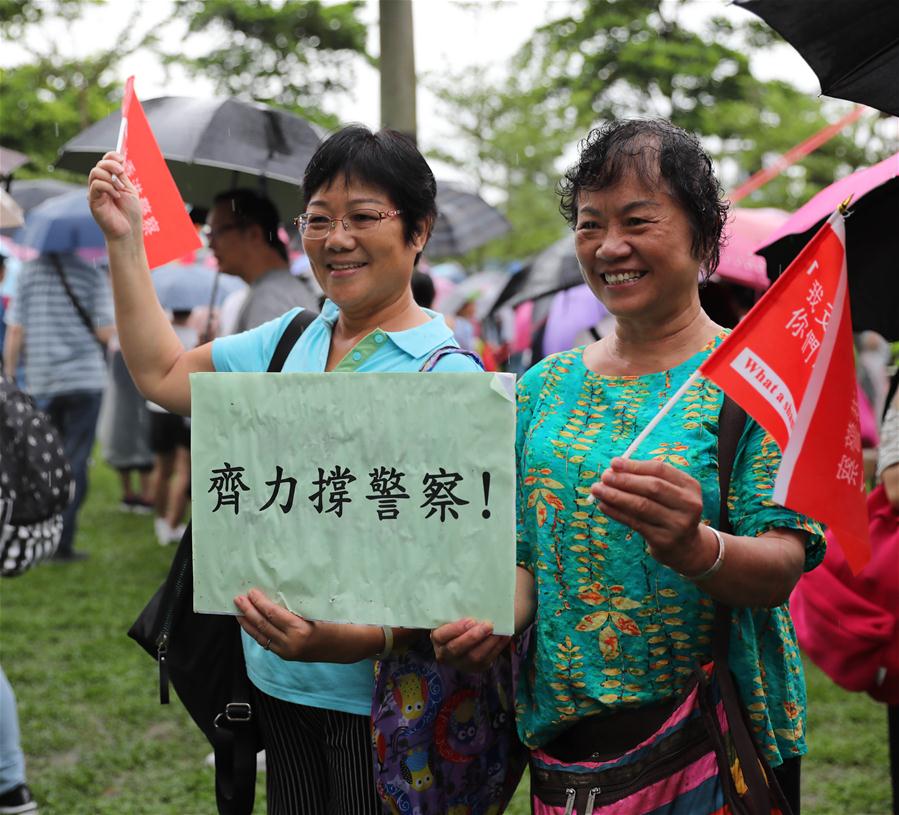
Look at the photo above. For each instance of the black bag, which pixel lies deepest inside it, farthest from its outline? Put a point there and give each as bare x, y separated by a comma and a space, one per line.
36, 483
35, 477
202, 656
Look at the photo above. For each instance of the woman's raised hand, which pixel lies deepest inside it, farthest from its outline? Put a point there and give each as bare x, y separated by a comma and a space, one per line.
113, 199
663, 504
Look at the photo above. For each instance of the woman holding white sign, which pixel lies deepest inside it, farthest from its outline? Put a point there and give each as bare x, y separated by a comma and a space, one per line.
369, 207
623, 554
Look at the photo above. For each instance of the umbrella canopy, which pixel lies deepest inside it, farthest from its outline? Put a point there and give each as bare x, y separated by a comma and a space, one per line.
29, 192
746, 229
553, 269
872, 243
465, 221
211, 145
10, 161
11, 214
182, 287
852, 47
476, 287
62, 224
573, 311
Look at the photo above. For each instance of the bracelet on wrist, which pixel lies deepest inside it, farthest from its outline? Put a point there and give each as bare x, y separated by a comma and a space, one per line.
388, 643
719, 561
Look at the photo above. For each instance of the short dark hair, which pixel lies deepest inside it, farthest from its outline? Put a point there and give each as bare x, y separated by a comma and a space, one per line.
652, 149
388, 160
423, 291
253, 208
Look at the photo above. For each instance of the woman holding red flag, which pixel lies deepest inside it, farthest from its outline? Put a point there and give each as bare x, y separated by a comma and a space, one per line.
620, 561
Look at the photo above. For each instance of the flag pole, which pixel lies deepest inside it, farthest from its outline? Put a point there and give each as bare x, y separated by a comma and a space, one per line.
661, 414
842, 209
123, 127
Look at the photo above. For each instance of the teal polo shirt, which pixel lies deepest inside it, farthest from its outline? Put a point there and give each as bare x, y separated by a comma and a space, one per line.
347, 688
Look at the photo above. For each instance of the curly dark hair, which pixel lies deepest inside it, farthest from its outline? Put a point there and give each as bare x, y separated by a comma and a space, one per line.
653, 149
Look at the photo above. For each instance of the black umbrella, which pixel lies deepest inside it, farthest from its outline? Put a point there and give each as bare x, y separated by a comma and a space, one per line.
211, 145
465, 221
853, 47
553, 269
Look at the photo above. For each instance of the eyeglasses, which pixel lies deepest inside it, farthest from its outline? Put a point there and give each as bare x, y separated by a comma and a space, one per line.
315, 226
209, 233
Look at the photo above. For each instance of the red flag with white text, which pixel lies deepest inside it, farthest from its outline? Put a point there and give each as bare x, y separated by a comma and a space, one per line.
790, 364
168, 231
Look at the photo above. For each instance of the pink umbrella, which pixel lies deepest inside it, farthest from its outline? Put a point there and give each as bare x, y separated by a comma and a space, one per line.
573, 310
744, 231
872, 242
825, 202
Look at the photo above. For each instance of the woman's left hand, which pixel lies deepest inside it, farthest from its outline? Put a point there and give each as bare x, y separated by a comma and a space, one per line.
660, 502
281, 631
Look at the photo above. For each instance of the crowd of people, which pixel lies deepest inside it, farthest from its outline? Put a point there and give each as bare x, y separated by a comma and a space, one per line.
621, 562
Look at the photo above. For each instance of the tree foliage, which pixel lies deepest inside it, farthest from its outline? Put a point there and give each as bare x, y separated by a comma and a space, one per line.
618, 58
52, 97
604, 59
17, 15
508, 142
294, 55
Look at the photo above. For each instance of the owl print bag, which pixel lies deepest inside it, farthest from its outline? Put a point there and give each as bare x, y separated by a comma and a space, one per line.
445, 741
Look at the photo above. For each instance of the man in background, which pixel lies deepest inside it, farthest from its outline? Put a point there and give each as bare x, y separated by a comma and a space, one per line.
242, 230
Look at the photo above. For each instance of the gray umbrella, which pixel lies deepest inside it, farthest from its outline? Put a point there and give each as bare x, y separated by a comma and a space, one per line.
212, 145
10, 161
465, 221
553, 269
478, 287
29, 192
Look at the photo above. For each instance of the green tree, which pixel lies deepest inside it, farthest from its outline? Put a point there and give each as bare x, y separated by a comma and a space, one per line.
294, 55
509, 141
617, 58
17, 15
52, 97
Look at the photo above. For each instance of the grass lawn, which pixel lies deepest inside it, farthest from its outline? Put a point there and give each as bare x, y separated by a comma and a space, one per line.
98, 743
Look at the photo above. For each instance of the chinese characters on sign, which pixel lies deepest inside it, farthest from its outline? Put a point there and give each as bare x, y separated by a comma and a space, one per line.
390, 514
332, 491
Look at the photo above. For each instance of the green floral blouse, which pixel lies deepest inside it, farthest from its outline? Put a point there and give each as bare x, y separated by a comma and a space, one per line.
614, 627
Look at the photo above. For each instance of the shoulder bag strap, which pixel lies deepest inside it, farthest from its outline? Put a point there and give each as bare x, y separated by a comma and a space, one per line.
82, 312
731, 422
234, 736
446, 351
292, 333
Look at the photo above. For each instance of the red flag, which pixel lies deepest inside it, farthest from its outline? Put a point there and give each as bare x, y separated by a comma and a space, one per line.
790, 364
168, 231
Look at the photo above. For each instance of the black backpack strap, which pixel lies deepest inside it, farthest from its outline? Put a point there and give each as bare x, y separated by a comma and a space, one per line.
292, 333
235, 744
731, 422
234, 737
446, 351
